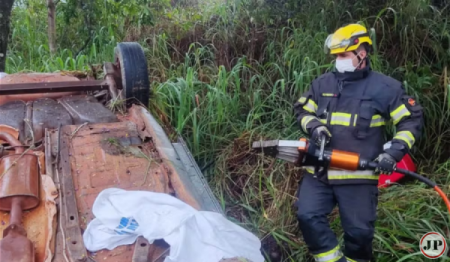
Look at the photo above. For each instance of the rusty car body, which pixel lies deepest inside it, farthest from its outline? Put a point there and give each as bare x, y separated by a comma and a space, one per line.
63, 142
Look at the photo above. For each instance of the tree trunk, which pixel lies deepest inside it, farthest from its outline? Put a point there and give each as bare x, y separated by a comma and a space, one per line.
5, 13
51, 26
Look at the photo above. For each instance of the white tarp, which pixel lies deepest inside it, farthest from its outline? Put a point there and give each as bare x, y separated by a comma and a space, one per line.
193, 236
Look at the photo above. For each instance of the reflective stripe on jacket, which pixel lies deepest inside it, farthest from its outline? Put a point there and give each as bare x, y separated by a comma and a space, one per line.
356, 107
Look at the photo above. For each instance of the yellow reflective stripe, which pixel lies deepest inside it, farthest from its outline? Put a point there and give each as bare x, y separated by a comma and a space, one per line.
340, 119
331, 260
350, 260
399, 113
305, 122
406, 136
347, 174
334, 174
354, 120
311, 106
309, 169
324, 121
377, 120
330, 256
327, 94
302, 100
342, 177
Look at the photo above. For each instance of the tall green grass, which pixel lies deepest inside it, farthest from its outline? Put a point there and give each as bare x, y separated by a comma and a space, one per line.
227, 73
221, 118
221, 114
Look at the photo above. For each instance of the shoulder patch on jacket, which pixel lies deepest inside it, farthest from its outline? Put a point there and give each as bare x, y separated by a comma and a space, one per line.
412, 105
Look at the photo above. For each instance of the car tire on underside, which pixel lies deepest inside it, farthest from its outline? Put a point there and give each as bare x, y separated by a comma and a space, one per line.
134, 72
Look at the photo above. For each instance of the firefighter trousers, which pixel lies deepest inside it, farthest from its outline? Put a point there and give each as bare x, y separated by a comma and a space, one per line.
358, 212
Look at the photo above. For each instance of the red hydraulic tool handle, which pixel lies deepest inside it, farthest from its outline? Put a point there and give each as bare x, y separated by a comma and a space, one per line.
432, 184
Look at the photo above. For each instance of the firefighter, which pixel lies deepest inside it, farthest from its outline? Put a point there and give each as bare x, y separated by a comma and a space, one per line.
350, 108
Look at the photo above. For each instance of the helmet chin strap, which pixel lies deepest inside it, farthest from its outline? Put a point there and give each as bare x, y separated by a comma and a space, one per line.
359, 59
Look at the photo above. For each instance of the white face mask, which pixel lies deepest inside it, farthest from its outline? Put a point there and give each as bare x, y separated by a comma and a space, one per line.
345, 65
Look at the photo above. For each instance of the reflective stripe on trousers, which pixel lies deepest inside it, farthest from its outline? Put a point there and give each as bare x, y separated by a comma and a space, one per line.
330, 256
359, 260
334, 174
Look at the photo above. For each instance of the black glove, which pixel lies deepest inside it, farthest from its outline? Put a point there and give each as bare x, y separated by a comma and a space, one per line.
386, 164
320, 132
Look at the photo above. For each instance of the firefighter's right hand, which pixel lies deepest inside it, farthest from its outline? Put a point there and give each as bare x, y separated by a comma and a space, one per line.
319, 133
386, 164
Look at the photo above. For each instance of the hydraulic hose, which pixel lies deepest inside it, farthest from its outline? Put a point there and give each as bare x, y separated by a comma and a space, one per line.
428, 182
422, 179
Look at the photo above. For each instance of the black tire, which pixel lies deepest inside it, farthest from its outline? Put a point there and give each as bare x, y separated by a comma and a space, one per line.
134, 72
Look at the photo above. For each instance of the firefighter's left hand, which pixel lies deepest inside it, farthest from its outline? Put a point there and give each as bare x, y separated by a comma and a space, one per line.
386, 164
319, 133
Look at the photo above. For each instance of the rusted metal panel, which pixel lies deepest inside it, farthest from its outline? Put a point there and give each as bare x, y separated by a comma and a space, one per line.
141, 250
39, 222
20, 179
52, 87
120, 155
47, 113
159, 250
111, 155
15, 246
10, 130
19, 190
73, 239
86, 108
13, 114
19, 78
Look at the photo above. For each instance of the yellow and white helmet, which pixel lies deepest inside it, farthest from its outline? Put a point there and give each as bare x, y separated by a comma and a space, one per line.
347, 38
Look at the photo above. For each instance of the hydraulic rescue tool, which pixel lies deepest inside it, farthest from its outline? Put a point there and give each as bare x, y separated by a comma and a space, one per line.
303, 153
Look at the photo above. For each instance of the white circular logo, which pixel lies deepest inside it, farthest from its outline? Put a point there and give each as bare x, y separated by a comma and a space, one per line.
433, 245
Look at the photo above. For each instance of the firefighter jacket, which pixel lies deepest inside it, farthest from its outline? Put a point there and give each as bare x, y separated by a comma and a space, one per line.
355, 107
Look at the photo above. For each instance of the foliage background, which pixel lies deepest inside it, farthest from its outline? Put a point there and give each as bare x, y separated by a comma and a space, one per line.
225, 73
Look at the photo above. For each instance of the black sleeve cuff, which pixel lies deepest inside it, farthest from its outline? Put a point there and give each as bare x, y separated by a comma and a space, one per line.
313, 125
397, 151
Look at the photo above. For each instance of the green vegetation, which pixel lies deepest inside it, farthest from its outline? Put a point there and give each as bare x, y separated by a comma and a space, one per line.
226, 73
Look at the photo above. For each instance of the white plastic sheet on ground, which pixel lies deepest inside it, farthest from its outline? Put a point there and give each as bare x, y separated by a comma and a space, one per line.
193, 236
2, 74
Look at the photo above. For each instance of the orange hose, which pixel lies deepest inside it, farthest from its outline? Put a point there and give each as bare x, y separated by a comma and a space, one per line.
444, 197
